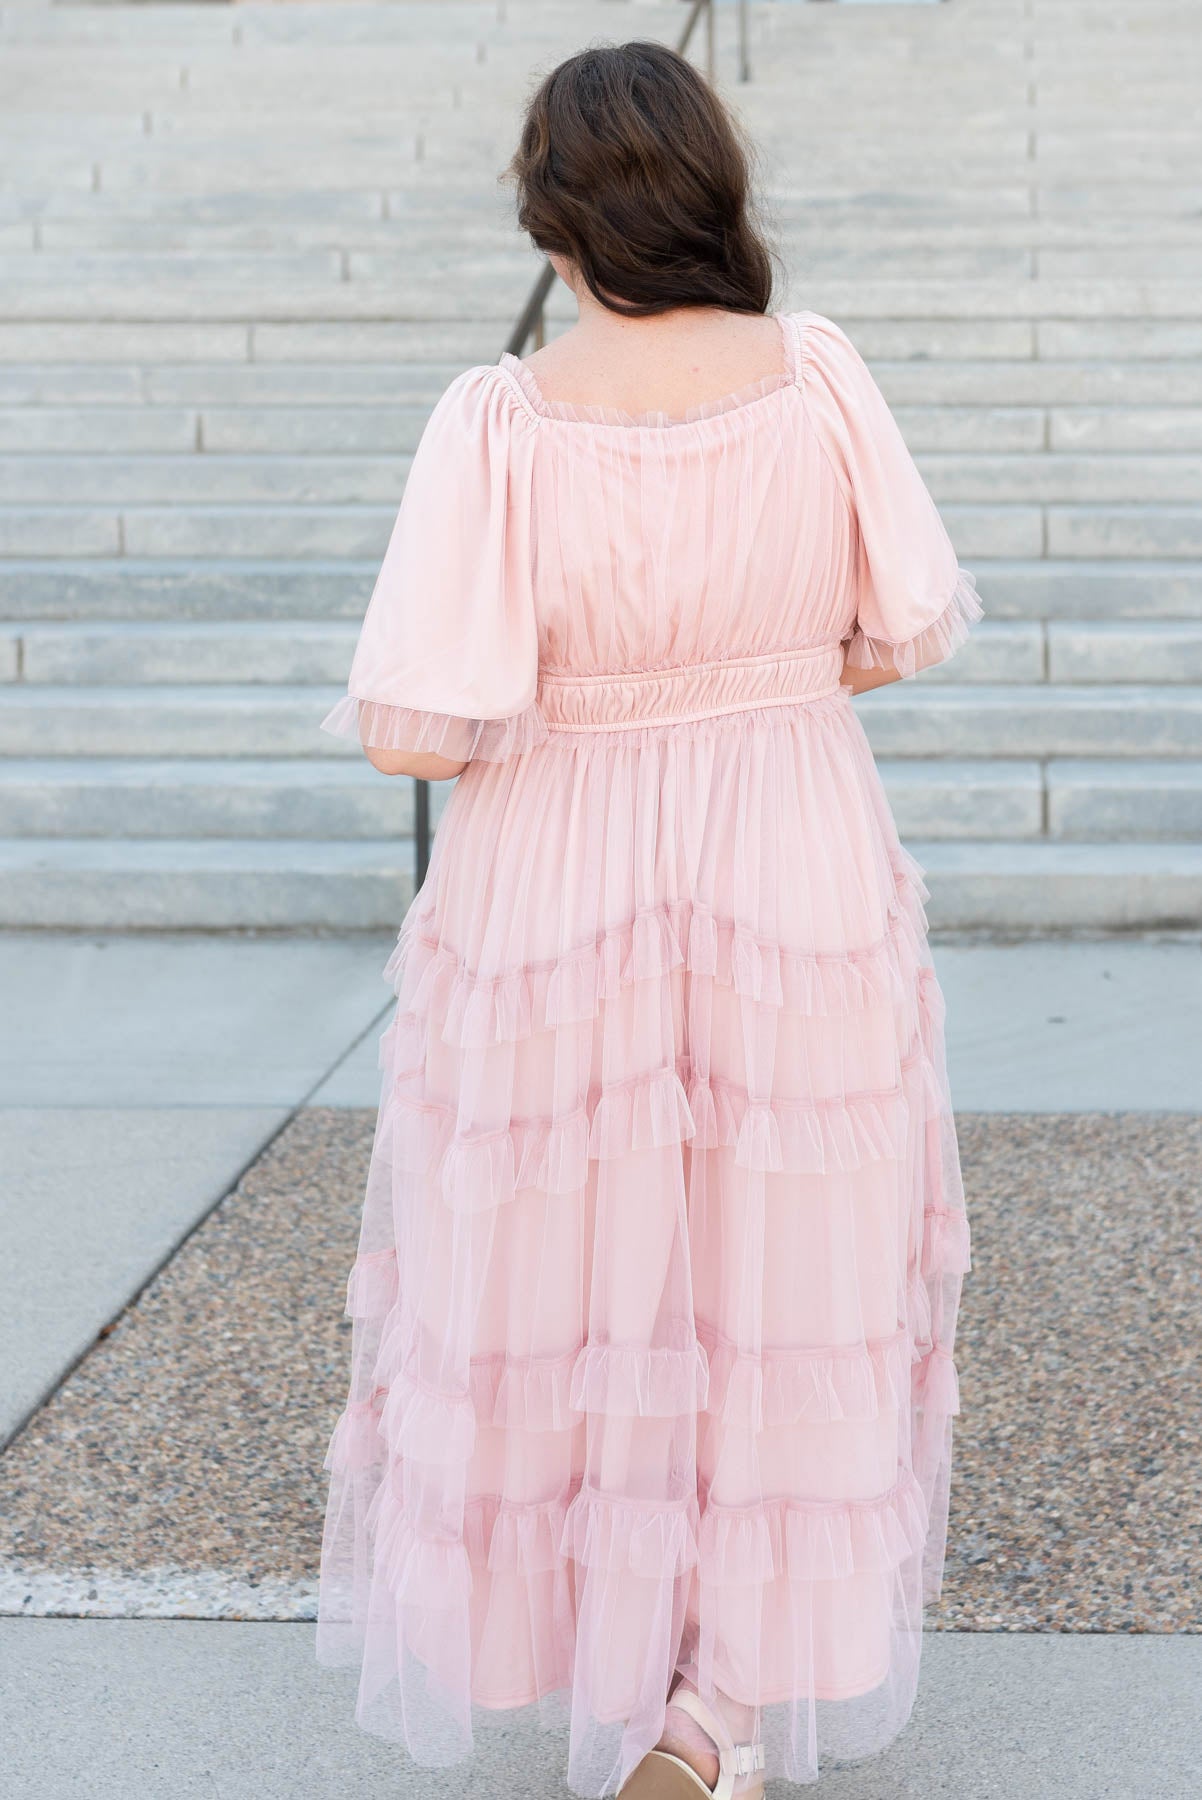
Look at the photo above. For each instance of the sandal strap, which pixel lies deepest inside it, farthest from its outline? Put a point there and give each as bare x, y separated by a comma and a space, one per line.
692, 1703
748, 1758
733, 1759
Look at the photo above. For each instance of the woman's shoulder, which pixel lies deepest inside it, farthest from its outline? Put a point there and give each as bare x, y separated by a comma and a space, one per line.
836, 382
822, 341
479, 402
473, 383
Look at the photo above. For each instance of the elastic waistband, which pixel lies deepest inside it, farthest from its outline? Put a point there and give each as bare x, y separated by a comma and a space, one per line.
612, 702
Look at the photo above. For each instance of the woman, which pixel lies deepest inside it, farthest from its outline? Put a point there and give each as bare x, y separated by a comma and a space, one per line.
661, 1252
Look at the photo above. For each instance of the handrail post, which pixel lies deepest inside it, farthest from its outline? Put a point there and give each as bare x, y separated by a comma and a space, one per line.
421, 832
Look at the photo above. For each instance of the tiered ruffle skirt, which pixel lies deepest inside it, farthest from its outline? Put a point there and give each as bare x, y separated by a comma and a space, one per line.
655, 1298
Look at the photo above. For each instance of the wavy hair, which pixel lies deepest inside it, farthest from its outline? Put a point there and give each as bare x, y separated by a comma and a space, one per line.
629, 164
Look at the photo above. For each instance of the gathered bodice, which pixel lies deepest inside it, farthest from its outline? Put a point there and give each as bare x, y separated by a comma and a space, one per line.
684, 566
559, 566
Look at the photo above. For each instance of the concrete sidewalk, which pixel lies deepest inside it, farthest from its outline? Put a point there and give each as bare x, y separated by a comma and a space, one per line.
140, 1076
170, 1710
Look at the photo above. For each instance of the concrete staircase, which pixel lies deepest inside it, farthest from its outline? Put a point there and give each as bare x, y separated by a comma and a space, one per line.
245, 247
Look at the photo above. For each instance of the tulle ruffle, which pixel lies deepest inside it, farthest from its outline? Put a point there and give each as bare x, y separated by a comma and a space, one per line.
799, 1541
653, 1540
790, 1386
474, 1009
934, 644
385, 727
652, 1110
813, 1540
787, 1386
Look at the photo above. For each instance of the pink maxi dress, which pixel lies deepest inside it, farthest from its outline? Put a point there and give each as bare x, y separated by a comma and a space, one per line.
662, 1245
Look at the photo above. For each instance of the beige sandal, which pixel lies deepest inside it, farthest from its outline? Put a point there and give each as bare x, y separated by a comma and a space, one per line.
662, 1776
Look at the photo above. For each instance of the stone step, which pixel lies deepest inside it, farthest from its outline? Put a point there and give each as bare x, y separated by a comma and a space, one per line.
235, 797
82, 387
918, 719
195, 532
290, 527
97, 430
345, 799
107, 589
293, 528
191, 481
1095, 798
116, 217
49, 286
159, 345
964, 799
1152, 406
178, 225
926, 719
286, 652
1118, 650
321, 284
208, 884
1124, 531
452, 29
1044, 887
1144, 487
104, 342
443, 143
294, 652
89, 884
1103, 799
917, 358
1124, 397
343, 208
1123, 427
1100, 214
177, 721
1084, 589
381, 429
1156, 478
110, 588
1065, 798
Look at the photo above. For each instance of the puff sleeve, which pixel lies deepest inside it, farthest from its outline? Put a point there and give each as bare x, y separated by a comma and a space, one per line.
447, 657
914, 603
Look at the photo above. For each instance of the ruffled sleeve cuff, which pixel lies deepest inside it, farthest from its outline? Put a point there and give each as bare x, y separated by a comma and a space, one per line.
385, 727
933, 644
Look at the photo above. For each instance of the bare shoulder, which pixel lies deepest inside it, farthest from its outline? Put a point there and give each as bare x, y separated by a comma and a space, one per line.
547, 358
671, 360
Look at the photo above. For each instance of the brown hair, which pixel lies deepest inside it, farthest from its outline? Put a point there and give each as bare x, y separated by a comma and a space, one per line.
629, 164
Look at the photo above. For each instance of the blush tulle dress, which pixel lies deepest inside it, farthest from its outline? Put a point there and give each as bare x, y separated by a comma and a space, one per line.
662, 1246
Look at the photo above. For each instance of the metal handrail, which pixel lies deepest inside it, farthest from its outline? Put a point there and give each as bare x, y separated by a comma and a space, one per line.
532, 323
